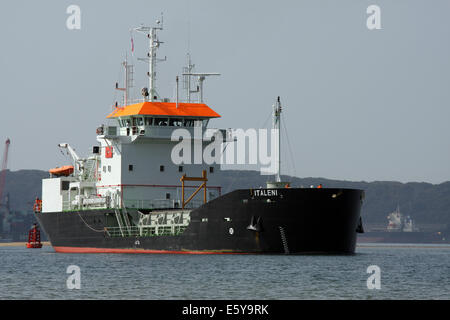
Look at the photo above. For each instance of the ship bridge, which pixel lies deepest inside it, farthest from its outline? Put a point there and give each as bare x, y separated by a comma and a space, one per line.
157, 119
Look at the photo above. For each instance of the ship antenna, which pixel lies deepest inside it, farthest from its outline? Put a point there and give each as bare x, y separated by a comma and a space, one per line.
276, 126
187, 74
177, 92
151, 59
186, 78
128, 81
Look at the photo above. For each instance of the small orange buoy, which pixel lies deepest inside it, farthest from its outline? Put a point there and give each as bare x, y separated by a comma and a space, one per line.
34, 237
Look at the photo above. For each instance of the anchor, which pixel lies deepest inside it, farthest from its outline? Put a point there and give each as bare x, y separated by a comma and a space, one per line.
255, 226
360, 228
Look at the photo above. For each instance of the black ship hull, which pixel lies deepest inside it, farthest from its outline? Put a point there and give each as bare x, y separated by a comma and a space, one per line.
251, 221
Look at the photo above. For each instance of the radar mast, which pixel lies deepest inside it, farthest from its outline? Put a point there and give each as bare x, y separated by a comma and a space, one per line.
151, 59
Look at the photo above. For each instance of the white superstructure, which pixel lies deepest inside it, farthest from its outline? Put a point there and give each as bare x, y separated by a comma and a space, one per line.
131, 167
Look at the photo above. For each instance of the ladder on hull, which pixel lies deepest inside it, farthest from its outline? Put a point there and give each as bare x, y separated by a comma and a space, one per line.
122, 218
119, 221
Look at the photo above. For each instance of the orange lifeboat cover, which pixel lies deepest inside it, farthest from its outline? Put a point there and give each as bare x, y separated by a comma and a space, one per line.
61, 171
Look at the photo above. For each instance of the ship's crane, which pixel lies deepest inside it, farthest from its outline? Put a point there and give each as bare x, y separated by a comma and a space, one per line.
70, 150
77, 161
84, 168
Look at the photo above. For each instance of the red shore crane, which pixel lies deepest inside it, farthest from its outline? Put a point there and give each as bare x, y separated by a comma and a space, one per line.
3, 169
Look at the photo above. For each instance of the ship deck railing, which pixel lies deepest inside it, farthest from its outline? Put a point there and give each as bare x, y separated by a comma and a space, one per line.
146, 231
138, 204
141, 100
160, 204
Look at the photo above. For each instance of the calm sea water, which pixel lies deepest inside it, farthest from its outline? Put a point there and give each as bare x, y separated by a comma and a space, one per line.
419, 272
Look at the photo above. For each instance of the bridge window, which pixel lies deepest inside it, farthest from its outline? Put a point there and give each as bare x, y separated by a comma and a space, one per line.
161, 168
140, 121
189, 123
167, 196
180, 169
148, 121
175, 122
130, 167
160, 121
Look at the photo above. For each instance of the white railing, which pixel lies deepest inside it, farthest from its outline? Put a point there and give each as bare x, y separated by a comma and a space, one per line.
159, 204
132, 204
146, 231
165, 100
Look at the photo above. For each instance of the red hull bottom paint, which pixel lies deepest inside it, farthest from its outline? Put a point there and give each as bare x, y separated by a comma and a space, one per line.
112, 250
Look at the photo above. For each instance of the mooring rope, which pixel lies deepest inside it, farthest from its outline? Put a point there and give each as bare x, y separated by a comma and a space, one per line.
87, 225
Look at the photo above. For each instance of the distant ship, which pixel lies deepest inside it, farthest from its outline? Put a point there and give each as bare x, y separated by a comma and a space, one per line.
401, 229
129, 197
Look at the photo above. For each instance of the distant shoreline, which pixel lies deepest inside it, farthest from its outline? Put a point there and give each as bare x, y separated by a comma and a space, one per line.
20, 244
406, 245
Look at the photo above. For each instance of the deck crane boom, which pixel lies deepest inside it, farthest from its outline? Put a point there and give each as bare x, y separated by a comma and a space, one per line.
78, 162
71, 151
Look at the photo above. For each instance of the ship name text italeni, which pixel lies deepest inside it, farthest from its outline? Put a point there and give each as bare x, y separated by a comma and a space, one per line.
265, 192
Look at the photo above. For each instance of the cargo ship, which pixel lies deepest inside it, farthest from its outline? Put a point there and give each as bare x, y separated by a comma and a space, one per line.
129, 196
402, 229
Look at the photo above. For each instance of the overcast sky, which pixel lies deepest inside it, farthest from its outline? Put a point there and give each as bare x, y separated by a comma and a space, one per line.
359, 104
